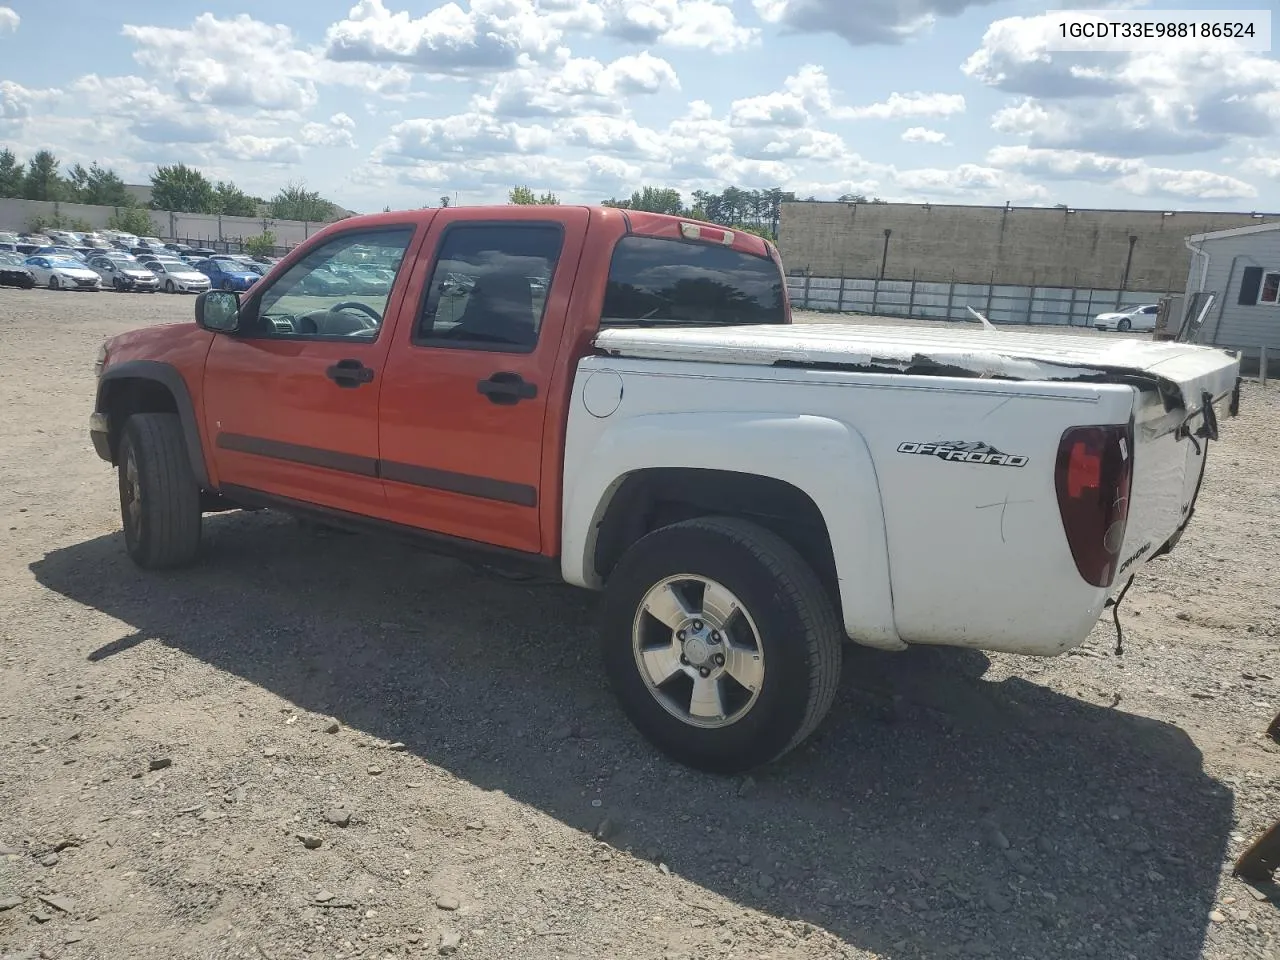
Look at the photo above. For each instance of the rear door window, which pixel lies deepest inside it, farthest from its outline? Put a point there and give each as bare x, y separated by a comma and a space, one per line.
655, 281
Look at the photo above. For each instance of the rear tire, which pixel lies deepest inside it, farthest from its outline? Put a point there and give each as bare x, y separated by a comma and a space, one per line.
743, 688
159, 494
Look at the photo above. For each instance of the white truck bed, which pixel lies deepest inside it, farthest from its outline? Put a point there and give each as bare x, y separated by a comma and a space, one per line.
964, 545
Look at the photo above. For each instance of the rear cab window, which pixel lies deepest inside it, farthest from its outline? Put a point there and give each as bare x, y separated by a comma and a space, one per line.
660, 282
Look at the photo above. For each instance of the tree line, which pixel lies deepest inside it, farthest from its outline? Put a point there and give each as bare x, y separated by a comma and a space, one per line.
751, 211
176, 187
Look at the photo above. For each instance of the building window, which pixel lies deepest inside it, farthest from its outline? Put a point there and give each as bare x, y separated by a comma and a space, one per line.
1270, 289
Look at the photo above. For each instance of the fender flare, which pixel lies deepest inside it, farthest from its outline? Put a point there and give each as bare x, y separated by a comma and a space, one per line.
168, 377
824, 458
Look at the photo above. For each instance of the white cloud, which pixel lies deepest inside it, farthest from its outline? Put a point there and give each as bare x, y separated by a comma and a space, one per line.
923, 135
1128, 174
1185, 184
1178, 101
862, 21
239, 62
338, 132
806, 97
901, 105
1266, 166
459, 137
9, 20
491, 35
577, 86
18, 104
494, 35
692, 24
965, 179
247, 147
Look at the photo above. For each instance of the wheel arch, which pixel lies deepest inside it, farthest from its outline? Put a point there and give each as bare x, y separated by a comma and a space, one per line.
150, 386
809, 479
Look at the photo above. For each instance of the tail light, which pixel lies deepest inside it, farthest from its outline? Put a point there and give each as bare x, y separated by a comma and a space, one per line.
1093, 476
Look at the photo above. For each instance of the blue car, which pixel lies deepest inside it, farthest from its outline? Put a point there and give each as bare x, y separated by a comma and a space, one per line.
225, 275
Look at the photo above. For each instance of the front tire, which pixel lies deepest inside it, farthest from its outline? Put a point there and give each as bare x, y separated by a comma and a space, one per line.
169, 287
1123, 326
720, 643
159, 495
54, 284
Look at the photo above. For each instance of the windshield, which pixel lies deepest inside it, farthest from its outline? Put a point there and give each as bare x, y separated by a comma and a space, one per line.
168, 263
654, 281
66, 263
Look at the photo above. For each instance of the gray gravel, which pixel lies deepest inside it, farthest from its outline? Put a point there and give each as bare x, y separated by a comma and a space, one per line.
954, 805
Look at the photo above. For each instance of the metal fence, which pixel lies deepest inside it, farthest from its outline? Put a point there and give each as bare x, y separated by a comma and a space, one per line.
930, 300
229, 245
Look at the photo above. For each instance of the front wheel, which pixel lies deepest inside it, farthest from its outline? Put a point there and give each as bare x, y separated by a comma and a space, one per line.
54, 284
169, 287
720, 643
159, 494
1123, 326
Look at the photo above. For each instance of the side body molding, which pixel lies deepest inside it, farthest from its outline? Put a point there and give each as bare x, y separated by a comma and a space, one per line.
826, 459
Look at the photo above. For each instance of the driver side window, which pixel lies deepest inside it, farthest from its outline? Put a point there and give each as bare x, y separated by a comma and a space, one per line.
338, 290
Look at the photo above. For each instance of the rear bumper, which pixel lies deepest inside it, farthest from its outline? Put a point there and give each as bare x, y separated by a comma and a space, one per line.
100, 434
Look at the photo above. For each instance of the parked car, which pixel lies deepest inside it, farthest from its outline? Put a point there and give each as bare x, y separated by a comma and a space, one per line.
661, 430
13, 271
226, 274
178, 249
57, 250
176, 276
7, 247
324, 282
1135, 318
122, 275
62, 272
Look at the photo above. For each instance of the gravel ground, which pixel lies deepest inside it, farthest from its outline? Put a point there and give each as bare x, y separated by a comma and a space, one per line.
334, 746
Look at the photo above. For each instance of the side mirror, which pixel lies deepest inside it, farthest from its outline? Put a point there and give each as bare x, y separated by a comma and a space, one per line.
218, 310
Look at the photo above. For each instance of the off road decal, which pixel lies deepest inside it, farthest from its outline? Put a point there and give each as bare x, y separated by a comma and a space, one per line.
974, 451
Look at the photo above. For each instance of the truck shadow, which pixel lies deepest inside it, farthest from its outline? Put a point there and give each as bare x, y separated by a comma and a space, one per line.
936, 813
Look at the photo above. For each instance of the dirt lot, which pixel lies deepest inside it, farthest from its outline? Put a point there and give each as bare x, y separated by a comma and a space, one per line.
167, 766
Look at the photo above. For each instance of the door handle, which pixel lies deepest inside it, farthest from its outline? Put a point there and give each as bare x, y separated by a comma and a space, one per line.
507, 388
349, 373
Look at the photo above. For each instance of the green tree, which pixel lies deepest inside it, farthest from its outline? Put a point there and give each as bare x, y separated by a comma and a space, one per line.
231, 201
12, 174
42, 181
132, 220
262, 245
657, 200
523, 196
295, 202
183, 189
97, 186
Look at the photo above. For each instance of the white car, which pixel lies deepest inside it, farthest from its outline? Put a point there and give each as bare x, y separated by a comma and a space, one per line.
177, 276
1135, 318
63, 273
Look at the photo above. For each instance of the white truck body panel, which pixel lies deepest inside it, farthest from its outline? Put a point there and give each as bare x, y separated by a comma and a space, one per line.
928, 550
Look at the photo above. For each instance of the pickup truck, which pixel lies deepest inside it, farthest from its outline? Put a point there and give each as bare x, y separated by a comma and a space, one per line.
622, 400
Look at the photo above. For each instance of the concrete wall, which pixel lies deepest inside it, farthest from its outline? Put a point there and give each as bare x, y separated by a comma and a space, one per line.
1029, 246
17, 215
1231, 323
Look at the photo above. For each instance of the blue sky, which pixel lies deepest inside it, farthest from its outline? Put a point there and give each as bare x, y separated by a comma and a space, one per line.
383, 103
